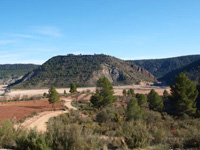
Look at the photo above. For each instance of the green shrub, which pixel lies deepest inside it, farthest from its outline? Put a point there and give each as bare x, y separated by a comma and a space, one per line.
7, 134
107, 114
32, 140
159, 135
72, 137
137, 135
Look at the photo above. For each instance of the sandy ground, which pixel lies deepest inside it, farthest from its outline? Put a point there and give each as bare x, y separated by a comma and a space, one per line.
144, 89
40, 121
67, 103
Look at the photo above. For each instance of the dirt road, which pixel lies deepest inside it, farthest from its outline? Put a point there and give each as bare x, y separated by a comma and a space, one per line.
67, 103
40, 121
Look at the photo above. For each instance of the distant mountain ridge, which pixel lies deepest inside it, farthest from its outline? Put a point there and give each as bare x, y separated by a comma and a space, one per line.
160, 67
192, 70
9, 73
84, 70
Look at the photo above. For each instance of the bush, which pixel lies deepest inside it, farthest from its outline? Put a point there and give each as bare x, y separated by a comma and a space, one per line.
32, 140
7, 135
72, 136
137, 135
107, 114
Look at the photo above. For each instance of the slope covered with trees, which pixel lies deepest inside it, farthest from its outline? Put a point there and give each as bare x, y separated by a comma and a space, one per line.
14, 71
160, 67
192, 71
83, 70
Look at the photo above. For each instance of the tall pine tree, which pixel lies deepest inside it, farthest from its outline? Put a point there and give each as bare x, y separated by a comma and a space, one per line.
155, 101
104, 93
73, 88
183, 95
54, 97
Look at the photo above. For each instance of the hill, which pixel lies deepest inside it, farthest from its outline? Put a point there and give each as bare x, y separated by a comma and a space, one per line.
160, 67
84, 70
192, 71
11, 72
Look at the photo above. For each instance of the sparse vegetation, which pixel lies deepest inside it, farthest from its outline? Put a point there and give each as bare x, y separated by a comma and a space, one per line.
144, 123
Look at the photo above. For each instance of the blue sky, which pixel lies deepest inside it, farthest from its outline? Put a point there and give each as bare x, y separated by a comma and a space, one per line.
32, 31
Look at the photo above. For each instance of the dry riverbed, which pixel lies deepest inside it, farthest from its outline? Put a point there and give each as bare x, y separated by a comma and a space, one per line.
144, 89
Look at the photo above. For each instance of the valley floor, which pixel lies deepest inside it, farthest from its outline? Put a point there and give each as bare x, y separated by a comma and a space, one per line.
143, 89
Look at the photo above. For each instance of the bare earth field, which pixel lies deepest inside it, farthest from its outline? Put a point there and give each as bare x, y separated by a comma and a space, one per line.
144, 89
20, 110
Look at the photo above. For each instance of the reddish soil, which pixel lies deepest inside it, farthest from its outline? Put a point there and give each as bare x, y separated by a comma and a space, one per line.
20, 110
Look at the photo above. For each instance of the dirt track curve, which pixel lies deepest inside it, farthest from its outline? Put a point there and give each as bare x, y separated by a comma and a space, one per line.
40, 121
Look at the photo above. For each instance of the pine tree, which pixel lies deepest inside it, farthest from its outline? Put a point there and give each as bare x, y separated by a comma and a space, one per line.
124, 92
54, 97
133, 110
104, 93
155, 101
65, 92
142, 99
131, 93
73, 88
198, 99
183, 95
165, 95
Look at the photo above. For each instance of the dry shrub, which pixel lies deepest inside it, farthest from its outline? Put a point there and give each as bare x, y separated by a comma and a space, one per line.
137, 134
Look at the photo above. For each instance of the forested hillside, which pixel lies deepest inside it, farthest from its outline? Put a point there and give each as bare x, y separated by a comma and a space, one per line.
160, 67
84, 70
14, 71
192, 71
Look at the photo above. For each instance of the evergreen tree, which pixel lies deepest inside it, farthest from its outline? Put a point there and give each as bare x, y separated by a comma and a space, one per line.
142, 99
131, 93
45, 94
73, 88
54, 97
165, 95
124, 92
198, 99
133, 110
183, 95
104, 93
65, 92
155, 101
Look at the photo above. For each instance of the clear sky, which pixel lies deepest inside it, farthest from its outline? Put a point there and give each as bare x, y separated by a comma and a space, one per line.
32, 31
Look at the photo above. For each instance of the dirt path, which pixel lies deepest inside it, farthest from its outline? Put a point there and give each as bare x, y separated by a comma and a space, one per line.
40, 121
67, 103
